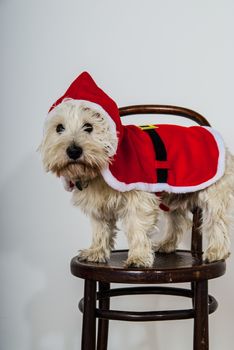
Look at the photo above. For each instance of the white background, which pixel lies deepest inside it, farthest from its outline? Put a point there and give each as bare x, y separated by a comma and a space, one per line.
166, 52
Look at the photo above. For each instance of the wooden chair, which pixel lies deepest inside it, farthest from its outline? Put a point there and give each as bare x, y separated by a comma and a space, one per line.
181, 266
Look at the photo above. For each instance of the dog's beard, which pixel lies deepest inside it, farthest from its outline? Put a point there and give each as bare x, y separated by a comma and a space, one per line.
84, 170
76, 170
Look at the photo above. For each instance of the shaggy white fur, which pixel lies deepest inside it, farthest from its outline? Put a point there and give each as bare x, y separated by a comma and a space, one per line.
138, 210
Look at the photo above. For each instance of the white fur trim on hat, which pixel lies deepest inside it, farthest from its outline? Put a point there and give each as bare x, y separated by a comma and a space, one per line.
91, 105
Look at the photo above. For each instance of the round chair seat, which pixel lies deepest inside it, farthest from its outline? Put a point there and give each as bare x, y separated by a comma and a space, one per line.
180, 266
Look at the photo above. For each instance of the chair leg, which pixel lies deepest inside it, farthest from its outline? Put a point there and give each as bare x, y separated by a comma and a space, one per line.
103, 325
201, 326
89, 318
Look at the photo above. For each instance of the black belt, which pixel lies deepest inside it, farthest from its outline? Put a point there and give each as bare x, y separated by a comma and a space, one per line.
160, 152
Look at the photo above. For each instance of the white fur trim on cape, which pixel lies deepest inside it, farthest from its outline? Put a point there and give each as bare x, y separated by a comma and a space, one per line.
159, 187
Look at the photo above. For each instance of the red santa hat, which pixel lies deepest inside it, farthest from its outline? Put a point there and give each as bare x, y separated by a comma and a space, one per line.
84, 90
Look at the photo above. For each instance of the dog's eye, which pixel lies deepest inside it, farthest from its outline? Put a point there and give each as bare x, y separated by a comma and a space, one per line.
88, 127
60, 128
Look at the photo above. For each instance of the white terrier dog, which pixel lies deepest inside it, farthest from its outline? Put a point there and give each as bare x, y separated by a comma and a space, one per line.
82, 138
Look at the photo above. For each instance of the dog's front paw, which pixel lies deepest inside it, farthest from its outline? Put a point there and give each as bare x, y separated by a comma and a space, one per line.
140, 260
215, 254
93, 255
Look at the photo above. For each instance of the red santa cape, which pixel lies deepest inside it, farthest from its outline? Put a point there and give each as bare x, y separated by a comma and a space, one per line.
169, 158
154, 158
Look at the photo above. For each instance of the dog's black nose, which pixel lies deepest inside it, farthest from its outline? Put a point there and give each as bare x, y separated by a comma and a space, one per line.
74, 152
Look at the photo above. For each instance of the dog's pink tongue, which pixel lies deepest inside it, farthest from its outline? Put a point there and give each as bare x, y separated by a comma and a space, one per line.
67, 184
71, 185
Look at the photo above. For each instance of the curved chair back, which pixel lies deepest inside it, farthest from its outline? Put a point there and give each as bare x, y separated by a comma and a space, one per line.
164, 109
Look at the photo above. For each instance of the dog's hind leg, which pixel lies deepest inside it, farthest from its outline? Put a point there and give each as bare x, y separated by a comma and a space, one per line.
216, 225
217, 203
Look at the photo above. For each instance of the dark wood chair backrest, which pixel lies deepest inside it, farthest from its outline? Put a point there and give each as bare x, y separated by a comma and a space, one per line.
196, 244
164, 109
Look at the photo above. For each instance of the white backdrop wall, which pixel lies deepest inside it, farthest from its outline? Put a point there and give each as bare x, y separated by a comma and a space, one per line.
168, 52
